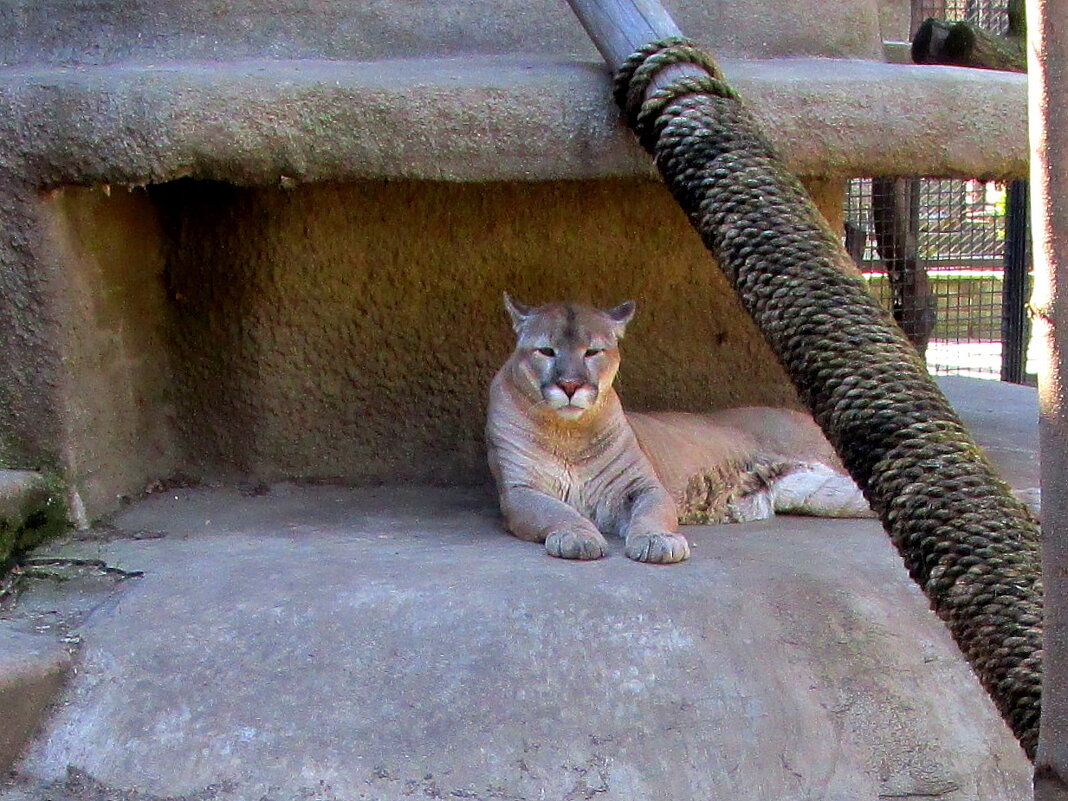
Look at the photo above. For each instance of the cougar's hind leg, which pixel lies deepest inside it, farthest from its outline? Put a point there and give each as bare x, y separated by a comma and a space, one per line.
818, 490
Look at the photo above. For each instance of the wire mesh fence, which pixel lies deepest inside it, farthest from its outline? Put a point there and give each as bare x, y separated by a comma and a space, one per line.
935, 253
948, 288
986, 14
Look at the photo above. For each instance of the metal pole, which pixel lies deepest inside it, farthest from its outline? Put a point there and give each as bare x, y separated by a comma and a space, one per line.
1014, 286
619, 27
1048, 113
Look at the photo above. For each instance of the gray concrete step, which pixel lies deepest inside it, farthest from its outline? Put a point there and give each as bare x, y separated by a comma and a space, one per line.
317, 642
33, 668
161, 30
323, 642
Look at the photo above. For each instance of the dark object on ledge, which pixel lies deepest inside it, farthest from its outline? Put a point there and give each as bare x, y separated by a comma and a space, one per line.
963, 44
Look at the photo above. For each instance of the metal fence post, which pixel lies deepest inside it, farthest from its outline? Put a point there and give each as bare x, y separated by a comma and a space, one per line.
1014, 286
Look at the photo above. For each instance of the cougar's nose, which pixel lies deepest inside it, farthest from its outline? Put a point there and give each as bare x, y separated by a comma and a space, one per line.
569, 387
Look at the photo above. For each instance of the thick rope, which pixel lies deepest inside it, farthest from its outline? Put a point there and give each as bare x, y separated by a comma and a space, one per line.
969, 544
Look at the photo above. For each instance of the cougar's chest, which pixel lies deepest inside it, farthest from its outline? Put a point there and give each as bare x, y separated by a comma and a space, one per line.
590, 480
575, 482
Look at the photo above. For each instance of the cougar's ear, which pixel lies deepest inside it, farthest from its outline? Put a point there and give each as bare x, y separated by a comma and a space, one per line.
519, 312
621, 315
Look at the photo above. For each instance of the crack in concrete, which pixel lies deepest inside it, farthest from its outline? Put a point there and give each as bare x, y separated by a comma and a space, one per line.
950, 787
79, 785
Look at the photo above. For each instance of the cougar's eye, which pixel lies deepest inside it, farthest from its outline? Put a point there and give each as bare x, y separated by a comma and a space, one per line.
591, 352
547, 352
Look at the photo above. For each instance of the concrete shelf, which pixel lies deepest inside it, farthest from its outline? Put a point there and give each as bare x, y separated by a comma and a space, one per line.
487, 118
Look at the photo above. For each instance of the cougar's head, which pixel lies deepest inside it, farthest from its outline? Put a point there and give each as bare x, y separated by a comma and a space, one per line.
567, 355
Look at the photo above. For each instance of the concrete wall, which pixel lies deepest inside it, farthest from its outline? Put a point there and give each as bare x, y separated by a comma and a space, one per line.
895, 20
349, 331
91, 32
225, 325
115, 393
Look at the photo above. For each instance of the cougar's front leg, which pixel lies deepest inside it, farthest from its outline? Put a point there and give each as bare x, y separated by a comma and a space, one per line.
536, 516
651, 533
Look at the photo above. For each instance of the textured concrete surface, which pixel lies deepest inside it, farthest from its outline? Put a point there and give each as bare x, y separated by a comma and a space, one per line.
1004, 418
280, 95
486, 118
117, 385
375, 643
90, 32
21, 492
895, 18
321, 642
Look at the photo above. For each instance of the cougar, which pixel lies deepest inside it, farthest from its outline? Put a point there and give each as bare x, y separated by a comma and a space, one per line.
571, 465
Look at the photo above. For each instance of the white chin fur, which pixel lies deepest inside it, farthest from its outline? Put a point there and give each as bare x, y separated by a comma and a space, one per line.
570, 412
574, 406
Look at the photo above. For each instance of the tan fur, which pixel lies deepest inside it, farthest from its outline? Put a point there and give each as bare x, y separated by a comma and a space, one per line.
571, 466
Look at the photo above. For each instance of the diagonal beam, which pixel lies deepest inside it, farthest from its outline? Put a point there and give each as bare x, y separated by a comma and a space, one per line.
971, 546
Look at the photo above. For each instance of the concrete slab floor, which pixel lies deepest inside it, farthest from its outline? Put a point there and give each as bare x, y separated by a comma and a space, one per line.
322, 642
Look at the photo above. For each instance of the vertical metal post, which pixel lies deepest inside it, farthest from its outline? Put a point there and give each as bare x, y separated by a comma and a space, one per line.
1014, 286
1047, 55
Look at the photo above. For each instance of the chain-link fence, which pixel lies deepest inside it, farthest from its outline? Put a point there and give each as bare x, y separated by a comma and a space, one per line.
989, 14
936, 252
953, 297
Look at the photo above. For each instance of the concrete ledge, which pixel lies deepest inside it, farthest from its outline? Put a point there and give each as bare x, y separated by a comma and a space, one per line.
474, 119
386, 643
32, 671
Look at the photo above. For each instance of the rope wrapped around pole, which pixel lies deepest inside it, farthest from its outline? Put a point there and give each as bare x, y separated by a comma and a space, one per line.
966, 540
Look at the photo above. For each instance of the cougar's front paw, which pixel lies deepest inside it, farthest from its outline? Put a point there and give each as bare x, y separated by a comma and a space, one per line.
657, 548
576, 544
